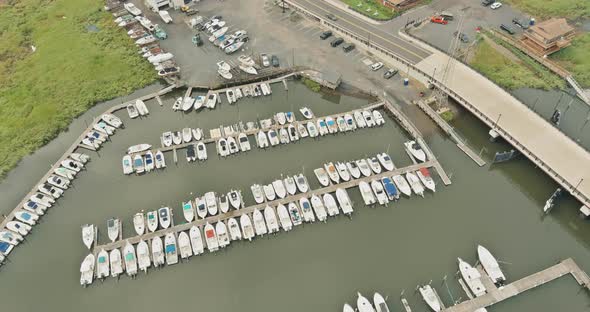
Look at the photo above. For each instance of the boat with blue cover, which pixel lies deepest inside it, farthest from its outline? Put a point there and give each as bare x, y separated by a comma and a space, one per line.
390, 188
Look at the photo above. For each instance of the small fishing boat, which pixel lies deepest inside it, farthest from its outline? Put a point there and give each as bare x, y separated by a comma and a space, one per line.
344, 201
34, 207
138, 148
104, 128
143, 256
65, 173
366, 193
306, 210
158, 251
248, 69
79, 157
234, 229
201, 207
353, 169
347, 308
223, 203
188, 211
257, 193
416, 151
342, 171
322, 176
294, 214
269, 192
211, 100
130, 259
402, 185
211, 202
170, 249
322, 126
201, 151
319, 208
187, 103
140, 105
261, 139
177, 104
225, 74
374, 164
187, 135
197, 133
350, 124
369, 119
231, 97
223, 66
132, 111
232, 145
281, 118
430, 298
72, 165
379, 192
87, 270
332, 172
284, 136
312, 129
211, 238
5, 249
138, 164
160, 160
115, 262
390, 188
184, 245
112, 120
199, 102
490, 265
131, 8
222, 148
386, 161
415, 184
330, 204
164, 217
247, 228
102, 264
259, 224
190, 153
244, 142
60, 182
88, 235
284, 218
196, 240
113, 229
26, 217
472, 278
176, 137
279, 188
127, 165
43, 199
293, 134
360, 120
363, 166
306, 112
424, 176
50, 190
378, 118
290, 185
139, 223
273, 137
234, 199
152, 221
332, 126
342, 126
149, 161
222, 234
271, 220
303, 133
363, 304
167, 138
301, 182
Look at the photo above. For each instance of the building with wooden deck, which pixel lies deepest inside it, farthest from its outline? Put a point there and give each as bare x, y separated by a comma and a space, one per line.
548, 36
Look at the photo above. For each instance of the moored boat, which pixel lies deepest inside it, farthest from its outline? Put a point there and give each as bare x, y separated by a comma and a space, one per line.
201, 151
319, 208
363, 304
170, 249
113, 229
130, 259
158, 251
196, 240
269, 192
222, 234
402, 185
301, 182
188, 211
211, 238
374, 164
415, 183
343, 171
271, 220
322, 176
290, 185
379, 192
354, 170
164, 217
152, 221
115, 262
379, 302
390, 188
284, 218
279, 188
184, 245
330, 204
87, 270
472, 278
364, 168
234, 229
257, 193
424, 176
430, 297
149, 161
139, 223
294, 214
247, 228
102, 264
344, 201
143, 256
386, 161
88, 235
259, 224
366, 193
211, 202
306, 210
416, 151
490, 265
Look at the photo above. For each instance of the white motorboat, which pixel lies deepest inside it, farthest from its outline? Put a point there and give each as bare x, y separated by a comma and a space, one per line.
88, 235
293, 134
211, 238
347, 308
113, 229
223, 203
430, 298
18, 227
87, 270
65, 173
199, 102
143, 256
344, 201
248, 69
363, 304
322, 126
131, 8
366, 193
306, 210
363, 166
306, 112
112, 120
301, 182
138, 148
234, 229
380, 303
350, 124
235, 199
257, 193
416, 151
368, 119
149, 161
50, 190
141, 107
158, 251
279, 188
360, 120
273, 137
234, 47
424, 176
130, 259
232, 145
331, 124
222, 234
284, 218
244, 142
261, 139
374, 164
139, 223
330, 204
170, 249
378, 118
43, 199
79, 157
104, 128
184, 245
319, 208
303, 133
472, 278
146, 23
116, 263
247, 228
211, 100
188, 211
269, 192
222, 147
332, 172
354, 170
167, 138
342, 126
322, 176
177, 104
201, 207
246, 60
164, 217
271, 220
312, 129
201, 151
26, 217
187, 135
231, 98
379, 191
127, 165
259, 224
152, 221
176, 137
36, 208
402, 185
225, 74
196, 240
132, 111
386, 161
197, 133
160, 160
284, 136
343, 171
102, 264
490, 265
72, 165
415, 184
290, 185
294, 214
211, 202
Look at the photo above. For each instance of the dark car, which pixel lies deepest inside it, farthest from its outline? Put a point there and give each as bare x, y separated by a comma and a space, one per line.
390, 73
325, 35
336, 42
332, 17
463, 37
347, 47
486, 2
522, 24
274, 60
507, 29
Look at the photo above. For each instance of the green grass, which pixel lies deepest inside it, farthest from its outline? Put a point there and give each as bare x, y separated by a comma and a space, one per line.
506, 72
312, 85
571, 9
383, 12
447, 116
72, 69
576, 59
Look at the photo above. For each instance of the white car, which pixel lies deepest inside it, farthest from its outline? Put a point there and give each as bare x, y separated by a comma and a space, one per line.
265, 60
495, 5
376, 66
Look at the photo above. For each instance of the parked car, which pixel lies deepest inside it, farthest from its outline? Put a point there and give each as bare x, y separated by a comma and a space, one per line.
347, 47
486, 2
448, 16
376, 66
495, 5
332, 17
325, 35
390, 73
507, 29
438, 20
336, 42
264, 60
522, 24
274, 60
463, 37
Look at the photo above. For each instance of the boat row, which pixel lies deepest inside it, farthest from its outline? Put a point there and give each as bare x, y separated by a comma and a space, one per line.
211, 204
254, 90
46, 194
187, 135
232, 145
101, 130
280, 188
364, 305
136, 109
142, 163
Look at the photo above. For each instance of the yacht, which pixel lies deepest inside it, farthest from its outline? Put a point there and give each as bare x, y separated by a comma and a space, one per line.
363, 304
306, 210
354, 170
211, 202
363, 166
87, 270
196, 240
312, 129
160, 160
130, 259
284, 218
170, 249
244, 142
201, 151
223, 203
366, 193
374, 164
143, 256
201, 207
158, 251
402, 185
152, 221
319, 208
271, 220
344, 201
102, 264
490, 265
279, 188
247, 228
424, 176
332, 173
261, 139
322, 176
379, 192
430, 297
342, 171
303, 133
330, 204
390, 188
257, 193
294, 214
188, 211
234, 229
113, 229
116, 263
290, 185
259, 225
139, 223
184, 245
269, 192
360, 120
222, 234
378, 118
472, 278
88, 235
234, 199
386, 161
164, 217
415, 184
416, 151
301, 182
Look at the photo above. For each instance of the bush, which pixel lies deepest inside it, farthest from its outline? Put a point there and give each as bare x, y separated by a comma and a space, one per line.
312, 85
448, 116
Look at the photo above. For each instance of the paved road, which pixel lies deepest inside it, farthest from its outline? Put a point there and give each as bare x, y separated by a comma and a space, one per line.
378, 34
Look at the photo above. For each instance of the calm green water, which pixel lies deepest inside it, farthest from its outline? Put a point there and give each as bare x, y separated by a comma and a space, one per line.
316, 267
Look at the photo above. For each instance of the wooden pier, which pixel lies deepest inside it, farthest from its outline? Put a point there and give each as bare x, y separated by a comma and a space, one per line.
495, 295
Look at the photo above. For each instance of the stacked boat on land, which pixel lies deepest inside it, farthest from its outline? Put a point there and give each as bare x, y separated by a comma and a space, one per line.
100, 132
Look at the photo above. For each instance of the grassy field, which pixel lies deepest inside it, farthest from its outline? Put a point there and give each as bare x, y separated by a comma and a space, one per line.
376, 9
507, 73
576, 59
571, 9
71, 69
